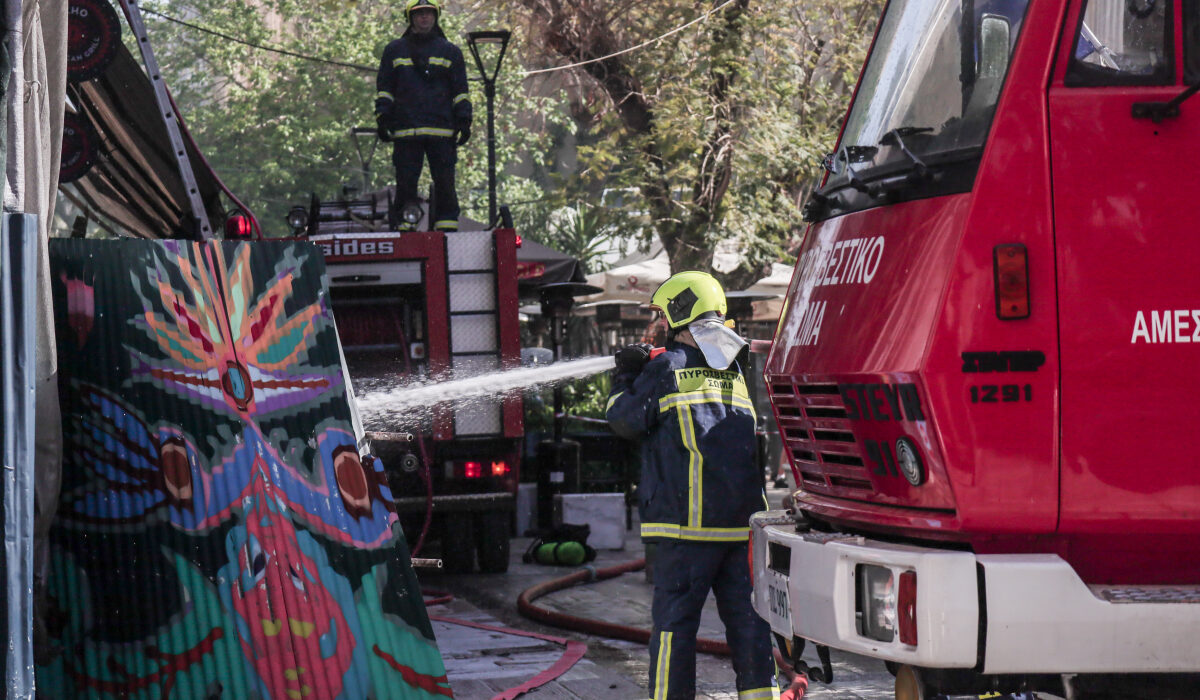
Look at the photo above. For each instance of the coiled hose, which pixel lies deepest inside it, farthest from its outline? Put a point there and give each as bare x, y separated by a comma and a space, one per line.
597, 627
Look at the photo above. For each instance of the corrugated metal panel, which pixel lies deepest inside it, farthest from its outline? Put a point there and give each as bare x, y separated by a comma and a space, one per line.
18, 302
219, 535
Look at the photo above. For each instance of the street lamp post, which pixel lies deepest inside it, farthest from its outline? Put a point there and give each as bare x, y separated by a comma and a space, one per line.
558, 460
498, 39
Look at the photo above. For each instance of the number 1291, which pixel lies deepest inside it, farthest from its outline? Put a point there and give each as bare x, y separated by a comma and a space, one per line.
1001, 393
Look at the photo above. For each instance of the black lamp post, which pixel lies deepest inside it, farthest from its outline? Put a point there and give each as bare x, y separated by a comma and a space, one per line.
499, 40
558, 459
557, 301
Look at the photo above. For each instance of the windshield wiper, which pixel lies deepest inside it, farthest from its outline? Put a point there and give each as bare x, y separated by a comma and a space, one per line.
855, 154
896, 137
852, 154
818, 201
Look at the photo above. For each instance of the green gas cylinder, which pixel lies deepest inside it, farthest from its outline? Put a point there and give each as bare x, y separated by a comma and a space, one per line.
561, 553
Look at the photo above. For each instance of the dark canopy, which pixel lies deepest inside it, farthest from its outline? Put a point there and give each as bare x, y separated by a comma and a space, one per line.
538, 264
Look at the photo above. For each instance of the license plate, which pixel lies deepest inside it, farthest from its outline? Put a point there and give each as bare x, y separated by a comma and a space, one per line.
778, 606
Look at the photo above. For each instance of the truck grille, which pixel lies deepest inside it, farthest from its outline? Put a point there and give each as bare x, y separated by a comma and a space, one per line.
816, 433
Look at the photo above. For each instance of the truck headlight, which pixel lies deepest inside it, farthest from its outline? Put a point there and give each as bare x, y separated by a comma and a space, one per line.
882, 607
875, 596
411, 213
297, 219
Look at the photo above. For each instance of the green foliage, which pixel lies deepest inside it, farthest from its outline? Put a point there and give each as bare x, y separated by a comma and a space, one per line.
586, 231
586, 398
718, 128
276, 127
711, 134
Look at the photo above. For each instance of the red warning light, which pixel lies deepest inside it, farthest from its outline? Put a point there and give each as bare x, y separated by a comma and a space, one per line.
499, 468
238, 227
472, 470
518, 240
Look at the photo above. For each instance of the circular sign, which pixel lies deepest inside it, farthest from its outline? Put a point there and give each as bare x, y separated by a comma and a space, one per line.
93, 35
79, 146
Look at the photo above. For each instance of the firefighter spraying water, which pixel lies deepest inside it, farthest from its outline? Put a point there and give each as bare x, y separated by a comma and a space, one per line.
690, 410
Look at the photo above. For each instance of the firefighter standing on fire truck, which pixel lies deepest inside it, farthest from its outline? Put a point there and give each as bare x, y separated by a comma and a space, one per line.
422, 107
700, 484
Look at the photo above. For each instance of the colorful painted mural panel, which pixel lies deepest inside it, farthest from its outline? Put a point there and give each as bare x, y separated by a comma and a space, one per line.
219, 534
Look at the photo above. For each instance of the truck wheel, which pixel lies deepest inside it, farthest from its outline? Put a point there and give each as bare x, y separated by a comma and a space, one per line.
910, 685
492, 540
458, 544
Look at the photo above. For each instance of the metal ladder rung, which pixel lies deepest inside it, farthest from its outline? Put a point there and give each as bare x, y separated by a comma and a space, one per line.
169, 117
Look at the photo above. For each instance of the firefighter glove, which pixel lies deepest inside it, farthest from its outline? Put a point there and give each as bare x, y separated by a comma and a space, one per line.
632, 358
464, 134
383, 133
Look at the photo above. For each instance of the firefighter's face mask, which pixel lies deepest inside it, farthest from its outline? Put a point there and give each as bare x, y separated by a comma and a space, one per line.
719, 343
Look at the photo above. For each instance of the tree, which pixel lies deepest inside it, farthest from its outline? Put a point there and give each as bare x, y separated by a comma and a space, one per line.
718, 127
276, 126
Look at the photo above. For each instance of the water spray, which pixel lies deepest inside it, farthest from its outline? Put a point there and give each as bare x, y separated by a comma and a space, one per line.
382, 405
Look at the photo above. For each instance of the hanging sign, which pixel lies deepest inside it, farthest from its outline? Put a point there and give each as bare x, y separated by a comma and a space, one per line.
93, 35
79, 145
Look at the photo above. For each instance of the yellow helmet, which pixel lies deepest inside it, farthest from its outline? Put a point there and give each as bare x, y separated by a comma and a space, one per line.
411, 5
686, 296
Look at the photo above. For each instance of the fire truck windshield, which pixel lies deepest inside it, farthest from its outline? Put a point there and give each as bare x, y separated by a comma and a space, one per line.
928, 91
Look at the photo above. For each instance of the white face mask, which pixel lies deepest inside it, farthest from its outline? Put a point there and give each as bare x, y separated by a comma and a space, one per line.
719, 344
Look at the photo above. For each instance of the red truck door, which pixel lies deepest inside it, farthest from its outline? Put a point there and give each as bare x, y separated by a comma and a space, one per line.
1127, 224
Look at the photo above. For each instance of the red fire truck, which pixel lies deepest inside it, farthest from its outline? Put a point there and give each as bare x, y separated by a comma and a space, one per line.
426, 306
979, 374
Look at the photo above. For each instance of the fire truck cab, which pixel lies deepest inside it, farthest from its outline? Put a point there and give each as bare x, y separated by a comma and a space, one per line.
980, 374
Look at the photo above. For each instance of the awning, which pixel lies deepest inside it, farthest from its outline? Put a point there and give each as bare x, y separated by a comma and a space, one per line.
774, 285
538, 264
633, 282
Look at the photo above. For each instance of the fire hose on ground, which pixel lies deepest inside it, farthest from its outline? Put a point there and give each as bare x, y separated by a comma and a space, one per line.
575, 650
612, 630
597, 627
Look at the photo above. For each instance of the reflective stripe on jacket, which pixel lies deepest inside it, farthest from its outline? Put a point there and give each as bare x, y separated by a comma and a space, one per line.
700, 479
421, 88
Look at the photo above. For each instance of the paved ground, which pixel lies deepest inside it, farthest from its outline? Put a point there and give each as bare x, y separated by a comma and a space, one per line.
480, 664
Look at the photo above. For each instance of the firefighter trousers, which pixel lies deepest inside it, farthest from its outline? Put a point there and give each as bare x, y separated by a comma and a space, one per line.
684, 572
408, 156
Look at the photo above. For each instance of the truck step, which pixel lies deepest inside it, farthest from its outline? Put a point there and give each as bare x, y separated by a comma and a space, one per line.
1148, 594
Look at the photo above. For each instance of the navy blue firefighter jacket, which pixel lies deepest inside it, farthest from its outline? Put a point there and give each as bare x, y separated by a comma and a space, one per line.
422, 87
700, 478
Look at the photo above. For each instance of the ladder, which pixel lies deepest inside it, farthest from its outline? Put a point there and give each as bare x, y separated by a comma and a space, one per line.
474, 325
170, 119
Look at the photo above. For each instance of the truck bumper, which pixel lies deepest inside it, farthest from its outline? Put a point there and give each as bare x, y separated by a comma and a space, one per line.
466, 502
1001, 614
